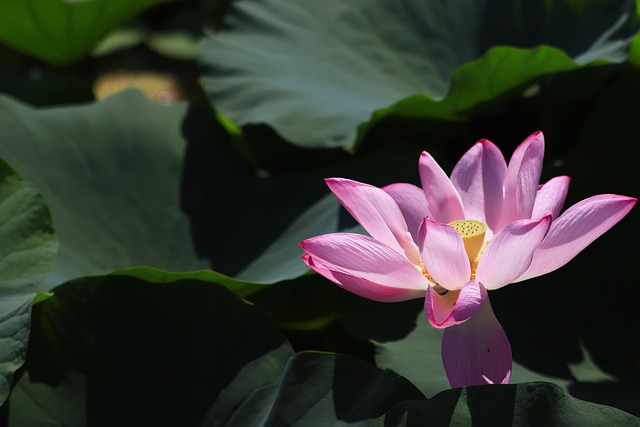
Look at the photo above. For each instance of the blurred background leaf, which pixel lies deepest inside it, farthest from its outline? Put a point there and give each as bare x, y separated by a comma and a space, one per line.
62, 31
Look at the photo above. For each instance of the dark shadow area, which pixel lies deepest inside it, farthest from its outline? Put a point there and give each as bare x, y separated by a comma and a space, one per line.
497, 410
621, 395
222, 194
153, 354
558, 24
529, 404
362, 391
437, 411
309, 311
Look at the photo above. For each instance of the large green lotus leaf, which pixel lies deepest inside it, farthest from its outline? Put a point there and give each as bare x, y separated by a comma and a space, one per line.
323, 390
534, 404
110, 172
27, 254
62, 31
128, 352
315, 71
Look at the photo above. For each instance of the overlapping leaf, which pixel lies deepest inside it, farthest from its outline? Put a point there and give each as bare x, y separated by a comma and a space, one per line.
535, 403
314, 72
27, 254
124, 351
144, 353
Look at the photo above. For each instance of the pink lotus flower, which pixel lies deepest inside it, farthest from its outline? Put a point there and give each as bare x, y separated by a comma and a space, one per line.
485, 227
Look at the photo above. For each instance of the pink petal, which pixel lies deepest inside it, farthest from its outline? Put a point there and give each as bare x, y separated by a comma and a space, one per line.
412, 203
364, 266
479, 177
510, 252
377, 212
477, 351
454, 307
551, 197
522, 178
443, 254
575, 229
443, 200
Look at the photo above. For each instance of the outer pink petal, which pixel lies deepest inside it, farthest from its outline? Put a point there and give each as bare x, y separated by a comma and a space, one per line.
522, 178
479, 177
454, 307
364, 266
443, 254
575, 229
477, 351
412, 203
510, 252
443, 200
377, 212
551, 197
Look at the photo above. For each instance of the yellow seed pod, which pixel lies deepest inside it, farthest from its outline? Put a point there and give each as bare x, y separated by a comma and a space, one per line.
472, 233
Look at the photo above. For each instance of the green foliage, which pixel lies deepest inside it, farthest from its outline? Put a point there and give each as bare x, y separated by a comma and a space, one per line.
62, 31
27, 253
535, 404
150, 354
110, 173
177, 296
352, 64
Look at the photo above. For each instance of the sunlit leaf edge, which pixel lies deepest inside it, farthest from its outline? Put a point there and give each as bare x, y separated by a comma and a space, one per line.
457, 106
241, 288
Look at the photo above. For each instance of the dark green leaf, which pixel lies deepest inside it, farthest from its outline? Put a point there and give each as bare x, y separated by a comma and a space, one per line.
36, 404
150, 354
110, 172
497, 73
528, 404
327, 390
314, 72
27, 254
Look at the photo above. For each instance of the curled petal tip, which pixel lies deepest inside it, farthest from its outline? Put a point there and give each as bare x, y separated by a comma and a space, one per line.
454, 307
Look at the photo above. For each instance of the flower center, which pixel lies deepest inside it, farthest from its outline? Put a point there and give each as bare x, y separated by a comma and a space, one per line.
472, 233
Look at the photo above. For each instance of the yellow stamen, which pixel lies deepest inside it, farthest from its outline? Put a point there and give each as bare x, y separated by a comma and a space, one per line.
472, 233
